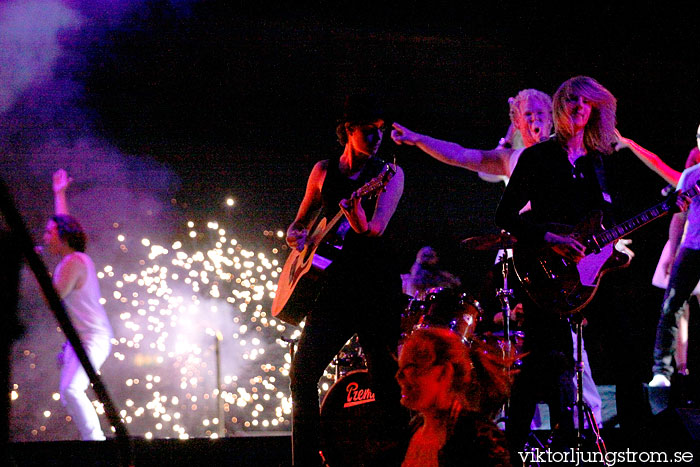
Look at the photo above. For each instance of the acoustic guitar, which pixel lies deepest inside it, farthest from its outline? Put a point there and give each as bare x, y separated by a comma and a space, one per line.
299, 281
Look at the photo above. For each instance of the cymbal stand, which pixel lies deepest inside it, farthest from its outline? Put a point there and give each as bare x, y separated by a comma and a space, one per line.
583, 409
504, 295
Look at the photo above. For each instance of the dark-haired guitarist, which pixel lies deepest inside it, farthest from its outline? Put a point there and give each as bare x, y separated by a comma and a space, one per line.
361, 289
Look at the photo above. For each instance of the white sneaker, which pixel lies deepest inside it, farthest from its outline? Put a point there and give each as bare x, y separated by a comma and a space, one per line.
659, 381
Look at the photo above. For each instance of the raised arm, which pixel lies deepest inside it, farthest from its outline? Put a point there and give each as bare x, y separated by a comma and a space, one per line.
61, 181
298, 230
650, 159
490, 161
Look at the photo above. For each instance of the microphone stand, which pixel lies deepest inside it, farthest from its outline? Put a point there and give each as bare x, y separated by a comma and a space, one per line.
583, 409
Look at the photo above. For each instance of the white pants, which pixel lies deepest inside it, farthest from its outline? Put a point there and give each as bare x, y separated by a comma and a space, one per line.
75, 381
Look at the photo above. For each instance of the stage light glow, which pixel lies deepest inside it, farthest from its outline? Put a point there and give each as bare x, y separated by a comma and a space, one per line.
173, 308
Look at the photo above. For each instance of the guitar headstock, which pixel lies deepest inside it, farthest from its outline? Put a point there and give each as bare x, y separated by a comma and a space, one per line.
377, 184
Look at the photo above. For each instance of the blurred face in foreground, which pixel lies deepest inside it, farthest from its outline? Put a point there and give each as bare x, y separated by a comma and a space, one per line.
424, 384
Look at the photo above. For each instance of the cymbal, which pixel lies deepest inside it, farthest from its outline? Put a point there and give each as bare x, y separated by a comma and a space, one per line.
499, 241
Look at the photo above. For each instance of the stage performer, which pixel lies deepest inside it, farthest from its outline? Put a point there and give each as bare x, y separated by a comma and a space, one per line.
531, 122
456, 390
361, 290
76, 282
682, 263
661, 278
562, 180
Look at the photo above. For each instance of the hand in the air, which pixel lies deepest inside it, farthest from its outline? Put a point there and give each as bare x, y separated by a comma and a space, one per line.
402, 135
61, 181
621, 142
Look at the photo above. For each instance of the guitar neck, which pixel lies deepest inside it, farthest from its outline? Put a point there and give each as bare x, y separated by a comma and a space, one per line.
370, 188
630, 225
331, 224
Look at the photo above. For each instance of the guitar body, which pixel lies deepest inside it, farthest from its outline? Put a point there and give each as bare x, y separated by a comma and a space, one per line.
298, 284
557, 284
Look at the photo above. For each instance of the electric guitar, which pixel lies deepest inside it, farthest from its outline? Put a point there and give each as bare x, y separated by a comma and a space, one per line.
564, 286
298, 283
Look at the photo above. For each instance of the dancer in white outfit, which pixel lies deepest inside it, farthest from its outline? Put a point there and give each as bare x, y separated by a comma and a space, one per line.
76, 282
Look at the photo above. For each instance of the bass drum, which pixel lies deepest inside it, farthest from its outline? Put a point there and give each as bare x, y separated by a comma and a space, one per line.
350, 420
443, 307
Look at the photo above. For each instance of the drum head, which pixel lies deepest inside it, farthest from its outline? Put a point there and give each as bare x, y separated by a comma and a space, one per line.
349, 421
447, 308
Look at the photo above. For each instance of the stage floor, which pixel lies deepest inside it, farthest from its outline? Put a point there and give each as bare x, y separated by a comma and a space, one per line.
260, 451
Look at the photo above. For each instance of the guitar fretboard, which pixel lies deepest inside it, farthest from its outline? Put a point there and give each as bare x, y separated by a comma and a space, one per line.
630, 225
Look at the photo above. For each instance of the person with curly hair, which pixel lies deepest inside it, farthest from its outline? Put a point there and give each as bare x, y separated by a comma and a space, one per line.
76, 282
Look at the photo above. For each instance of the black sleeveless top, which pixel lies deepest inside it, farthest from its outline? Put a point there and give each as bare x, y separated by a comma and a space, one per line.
358, 250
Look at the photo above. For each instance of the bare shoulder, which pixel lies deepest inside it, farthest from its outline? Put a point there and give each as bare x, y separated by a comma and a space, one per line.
73, 265
77, 260
318, 174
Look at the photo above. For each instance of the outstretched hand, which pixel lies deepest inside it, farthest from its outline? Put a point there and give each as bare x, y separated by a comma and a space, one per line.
61, 181
621, 142
402, 135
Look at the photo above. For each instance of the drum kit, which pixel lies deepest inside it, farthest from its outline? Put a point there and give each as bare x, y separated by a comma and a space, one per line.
449, 308
347, 409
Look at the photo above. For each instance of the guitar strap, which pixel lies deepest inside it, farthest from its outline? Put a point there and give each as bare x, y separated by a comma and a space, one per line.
600, 173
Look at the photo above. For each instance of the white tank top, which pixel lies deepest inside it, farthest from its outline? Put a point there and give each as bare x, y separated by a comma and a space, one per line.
83, 304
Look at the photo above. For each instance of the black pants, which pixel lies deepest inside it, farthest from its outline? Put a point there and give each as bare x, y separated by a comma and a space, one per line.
684, 277
546, 375
348, 304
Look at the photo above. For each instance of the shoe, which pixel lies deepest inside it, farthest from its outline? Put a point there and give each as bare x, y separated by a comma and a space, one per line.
659, 381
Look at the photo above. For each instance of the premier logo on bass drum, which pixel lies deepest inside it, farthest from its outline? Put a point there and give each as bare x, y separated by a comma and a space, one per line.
357, 396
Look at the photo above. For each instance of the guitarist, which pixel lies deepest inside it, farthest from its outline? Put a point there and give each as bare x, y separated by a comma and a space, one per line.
563, 180
361, 290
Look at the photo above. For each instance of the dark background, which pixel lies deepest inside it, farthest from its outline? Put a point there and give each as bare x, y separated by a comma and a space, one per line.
234, 100
246, 100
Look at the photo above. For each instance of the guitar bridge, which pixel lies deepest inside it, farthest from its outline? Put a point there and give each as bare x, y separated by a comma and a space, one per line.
592, 245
